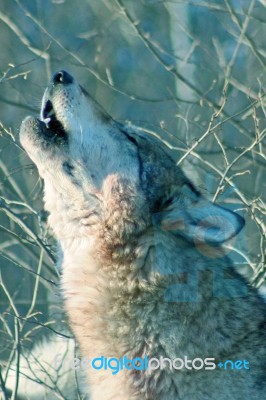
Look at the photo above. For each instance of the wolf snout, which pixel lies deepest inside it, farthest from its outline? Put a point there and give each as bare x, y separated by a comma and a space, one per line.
62, 77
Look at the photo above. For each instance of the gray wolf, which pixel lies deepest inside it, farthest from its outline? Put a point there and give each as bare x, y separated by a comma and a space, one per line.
143, 270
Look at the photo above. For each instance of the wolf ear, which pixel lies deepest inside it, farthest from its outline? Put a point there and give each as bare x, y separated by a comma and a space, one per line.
186, 213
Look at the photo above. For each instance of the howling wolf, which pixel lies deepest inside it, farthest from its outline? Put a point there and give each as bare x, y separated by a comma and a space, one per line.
144, 274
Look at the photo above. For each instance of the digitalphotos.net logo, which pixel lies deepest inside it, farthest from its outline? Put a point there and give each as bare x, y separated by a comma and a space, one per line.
116, 365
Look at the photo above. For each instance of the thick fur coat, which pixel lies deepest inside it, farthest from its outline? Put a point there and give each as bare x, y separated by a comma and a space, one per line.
143, 270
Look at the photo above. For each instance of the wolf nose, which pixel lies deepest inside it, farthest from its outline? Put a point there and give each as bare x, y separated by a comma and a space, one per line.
62, 77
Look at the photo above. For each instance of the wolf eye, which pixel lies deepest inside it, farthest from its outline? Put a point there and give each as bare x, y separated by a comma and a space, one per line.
68, 168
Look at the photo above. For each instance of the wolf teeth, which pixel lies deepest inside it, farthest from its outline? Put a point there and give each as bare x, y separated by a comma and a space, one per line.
46, 121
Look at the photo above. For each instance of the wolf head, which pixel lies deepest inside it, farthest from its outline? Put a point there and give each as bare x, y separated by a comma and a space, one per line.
75, 142
93, 165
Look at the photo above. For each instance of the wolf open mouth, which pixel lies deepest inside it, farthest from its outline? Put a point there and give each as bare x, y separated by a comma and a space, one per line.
53, 125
